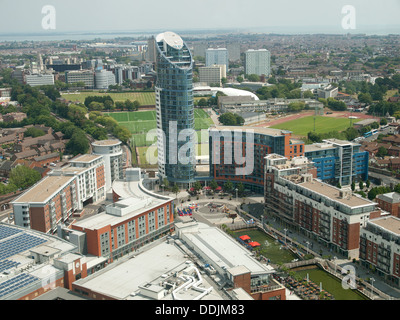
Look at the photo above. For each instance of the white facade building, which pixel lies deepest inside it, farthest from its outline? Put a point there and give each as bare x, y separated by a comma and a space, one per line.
86, 76
89, 171
258, 62
103, 79
39, 79
111, 151
217, 56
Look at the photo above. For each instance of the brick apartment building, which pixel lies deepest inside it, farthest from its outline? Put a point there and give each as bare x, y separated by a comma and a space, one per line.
389, 202
325, 213
136, 218
253, 145
60, 194
380, 247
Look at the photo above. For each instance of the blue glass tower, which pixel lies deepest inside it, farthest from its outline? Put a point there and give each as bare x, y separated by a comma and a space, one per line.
175, 109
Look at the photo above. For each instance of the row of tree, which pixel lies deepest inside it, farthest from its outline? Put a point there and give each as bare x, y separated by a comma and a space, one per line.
100, 103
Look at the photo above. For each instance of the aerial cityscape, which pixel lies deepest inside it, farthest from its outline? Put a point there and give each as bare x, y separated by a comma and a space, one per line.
221, 163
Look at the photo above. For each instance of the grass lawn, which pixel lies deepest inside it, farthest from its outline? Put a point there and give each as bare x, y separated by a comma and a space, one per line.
323, 124
144, 98
331, 284
270, 248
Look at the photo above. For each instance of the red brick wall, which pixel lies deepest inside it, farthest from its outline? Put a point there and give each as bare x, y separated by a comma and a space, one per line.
243, 281
396, 265
37, 293
39, 220
277, 294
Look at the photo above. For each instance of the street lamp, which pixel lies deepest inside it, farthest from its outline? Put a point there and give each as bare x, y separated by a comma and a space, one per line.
236, 194
334, 259
372, 288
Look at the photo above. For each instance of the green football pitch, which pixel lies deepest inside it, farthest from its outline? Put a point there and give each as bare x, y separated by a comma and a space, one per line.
144, 98
303, 126
139, 123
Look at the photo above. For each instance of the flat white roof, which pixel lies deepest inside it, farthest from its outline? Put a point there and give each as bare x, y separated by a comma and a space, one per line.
150, 267
131, 193
220, 248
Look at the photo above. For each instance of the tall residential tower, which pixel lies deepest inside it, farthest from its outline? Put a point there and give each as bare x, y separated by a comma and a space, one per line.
174, 109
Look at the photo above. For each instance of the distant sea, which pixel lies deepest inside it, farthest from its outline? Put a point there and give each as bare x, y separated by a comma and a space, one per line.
201, 33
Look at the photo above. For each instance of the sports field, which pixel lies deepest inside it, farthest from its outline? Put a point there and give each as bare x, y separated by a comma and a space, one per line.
141, 122
302, 126
144, 98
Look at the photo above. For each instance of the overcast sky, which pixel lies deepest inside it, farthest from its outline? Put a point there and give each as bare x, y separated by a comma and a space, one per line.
25, 16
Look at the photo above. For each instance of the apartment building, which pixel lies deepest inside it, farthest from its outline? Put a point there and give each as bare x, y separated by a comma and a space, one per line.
219, 56
380, 247
237, 154
60, 194
111, 150
338, 161
50, 201
89, 170
258, 62
138, 217
212, 74
325, 213
389, 202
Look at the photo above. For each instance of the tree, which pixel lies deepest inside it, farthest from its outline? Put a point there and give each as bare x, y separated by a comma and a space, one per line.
240, 188
213, 185
382, 152
228, 186
24, 177
197, 186
175, 189
202, 102
361, 185
231, 119
253, 78
365, 98
353, 186
33, 132
78, 144
368, 183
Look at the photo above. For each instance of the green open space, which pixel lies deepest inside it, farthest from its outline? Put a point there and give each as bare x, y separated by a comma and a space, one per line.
144, 98
269, 247
331, 284
323, 124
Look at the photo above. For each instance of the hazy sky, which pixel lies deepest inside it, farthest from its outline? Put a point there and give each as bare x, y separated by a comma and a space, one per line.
139, 15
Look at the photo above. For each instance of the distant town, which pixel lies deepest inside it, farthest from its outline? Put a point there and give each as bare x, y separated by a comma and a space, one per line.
226, 166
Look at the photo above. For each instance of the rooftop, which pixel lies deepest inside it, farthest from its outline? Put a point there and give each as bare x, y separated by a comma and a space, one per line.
106, 143
259, 130
126, 280
220, 248
86, 158
334, 193
392, 197
135, 200
44, 189
390, 223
